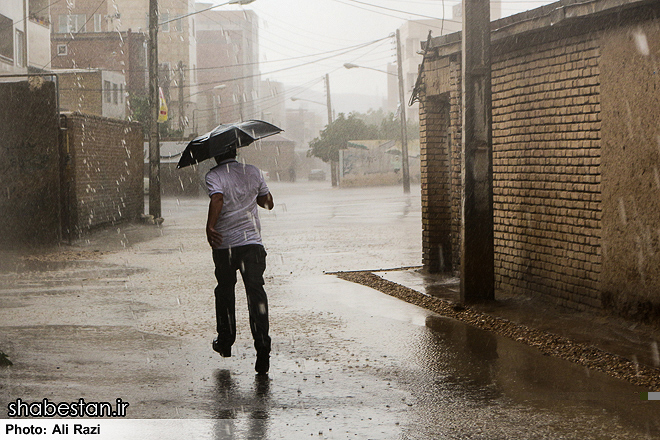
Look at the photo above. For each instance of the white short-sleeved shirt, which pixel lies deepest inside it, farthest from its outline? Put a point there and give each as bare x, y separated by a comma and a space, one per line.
240, 185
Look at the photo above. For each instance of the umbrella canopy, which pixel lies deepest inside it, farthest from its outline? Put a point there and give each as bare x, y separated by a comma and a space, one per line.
223, 138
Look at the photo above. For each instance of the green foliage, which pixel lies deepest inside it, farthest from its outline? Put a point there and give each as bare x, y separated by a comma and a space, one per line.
139, 107
375, 124
140, 111
335, 137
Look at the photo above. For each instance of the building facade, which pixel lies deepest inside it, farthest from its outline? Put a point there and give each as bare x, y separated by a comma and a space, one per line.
176, 42
228, 76
124, 53
92, 92
576, 192
24, 36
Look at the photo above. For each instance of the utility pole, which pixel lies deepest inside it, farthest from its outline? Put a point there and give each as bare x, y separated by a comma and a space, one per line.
477, 248
404, 129
182, 105
154, 141
334, 165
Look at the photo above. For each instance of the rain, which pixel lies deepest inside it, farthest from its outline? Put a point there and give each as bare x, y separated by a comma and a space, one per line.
464, 239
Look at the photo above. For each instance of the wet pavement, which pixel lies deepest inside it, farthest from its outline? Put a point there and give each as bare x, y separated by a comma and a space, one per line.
128, 313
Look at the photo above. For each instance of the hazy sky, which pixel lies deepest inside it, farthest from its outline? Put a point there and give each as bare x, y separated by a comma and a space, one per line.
315, 37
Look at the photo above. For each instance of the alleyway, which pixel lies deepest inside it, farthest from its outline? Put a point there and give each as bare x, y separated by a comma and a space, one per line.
128, 313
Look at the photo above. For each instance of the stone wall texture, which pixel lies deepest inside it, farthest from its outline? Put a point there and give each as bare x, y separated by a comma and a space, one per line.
576, 154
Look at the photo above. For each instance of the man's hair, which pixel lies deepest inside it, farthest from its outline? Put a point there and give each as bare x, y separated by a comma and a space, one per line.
231, 154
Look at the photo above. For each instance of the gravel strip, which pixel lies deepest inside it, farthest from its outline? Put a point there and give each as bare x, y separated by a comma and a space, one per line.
549, 344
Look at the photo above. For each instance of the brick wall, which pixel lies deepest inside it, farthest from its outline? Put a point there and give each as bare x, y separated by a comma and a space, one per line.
435, 183
103, 179
546, 170
440, 154
576, 162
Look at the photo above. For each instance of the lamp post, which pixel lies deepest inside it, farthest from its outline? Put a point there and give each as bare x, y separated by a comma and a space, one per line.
404, 129
152, 60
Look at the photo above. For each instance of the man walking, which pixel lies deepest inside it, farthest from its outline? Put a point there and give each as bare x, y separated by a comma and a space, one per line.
234, 232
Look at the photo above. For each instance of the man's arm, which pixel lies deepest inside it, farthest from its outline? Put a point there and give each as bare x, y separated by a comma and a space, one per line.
266, 201
215, 207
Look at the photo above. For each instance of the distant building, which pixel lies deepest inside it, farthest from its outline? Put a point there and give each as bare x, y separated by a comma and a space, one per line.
24, 36
121, 52
412, 34
228, 70
176, 42
376, 162
274, 155
92, 92
272, 103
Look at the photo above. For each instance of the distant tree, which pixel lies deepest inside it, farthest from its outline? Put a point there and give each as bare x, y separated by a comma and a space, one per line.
335, 137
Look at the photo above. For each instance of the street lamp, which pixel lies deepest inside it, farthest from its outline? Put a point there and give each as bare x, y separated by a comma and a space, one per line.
404, 129
308, 100
355, 66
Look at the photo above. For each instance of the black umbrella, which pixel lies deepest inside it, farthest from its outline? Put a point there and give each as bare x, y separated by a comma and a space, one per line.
223, 138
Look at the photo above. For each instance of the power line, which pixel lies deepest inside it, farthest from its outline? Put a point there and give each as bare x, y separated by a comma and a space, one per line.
392, 10
285, 68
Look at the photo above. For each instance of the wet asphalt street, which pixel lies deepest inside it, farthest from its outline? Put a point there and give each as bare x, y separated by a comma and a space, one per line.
128, 313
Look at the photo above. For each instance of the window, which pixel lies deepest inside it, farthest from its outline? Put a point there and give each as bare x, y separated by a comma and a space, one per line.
6, 38
20, 48
62, 50
115, 94
71, 23
165, 27
178, 25
106, 90
121, 93
98, 23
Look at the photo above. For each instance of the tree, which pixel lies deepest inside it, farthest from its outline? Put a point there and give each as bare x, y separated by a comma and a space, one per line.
335, 137
141, 112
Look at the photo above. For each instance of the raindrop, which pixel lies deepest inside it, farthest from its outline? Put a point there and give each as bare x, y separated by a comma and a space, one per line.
641, 42
622, 212
655, 354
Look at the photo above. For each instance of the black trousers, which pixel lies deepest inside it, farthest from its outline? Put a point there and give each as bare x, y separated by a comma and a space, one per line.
250, 260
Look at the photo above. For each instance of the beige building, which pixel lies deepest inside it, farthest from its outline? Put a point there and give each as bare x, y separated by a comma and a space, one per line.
24, 36
176, 44
92, 92
228, 54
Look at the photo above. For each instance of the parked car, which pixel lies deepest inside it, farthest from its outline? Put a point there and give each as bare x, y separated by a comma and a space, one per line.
316, 175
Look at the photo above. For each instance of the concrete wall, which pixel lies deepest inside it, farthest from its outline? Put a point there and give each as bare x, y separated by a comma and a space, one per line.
103, 179
29, 165
576, 162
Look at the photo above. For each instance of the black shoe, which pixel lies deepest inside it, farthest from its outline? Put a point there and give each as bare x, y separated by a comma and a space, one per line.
223, 349
263, 363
